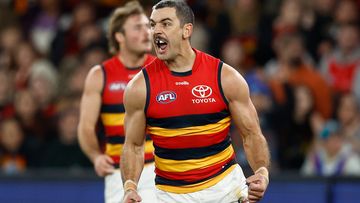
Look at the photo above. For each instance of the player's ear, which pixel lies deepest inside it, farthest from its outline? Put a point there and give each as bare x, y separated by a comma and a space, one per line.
119, 36
187, 30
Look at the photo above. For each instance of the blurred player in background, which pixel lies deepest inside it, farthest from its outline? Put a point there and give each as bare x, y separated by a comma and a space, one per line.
129, 42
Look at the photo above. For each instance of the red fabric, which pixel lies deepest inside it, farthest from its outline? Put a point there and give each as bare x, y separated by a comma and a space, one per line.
179, 142
204, 72
7, 111
194, 175
116, 72
342, 75
114, 130
173, 94
116, 78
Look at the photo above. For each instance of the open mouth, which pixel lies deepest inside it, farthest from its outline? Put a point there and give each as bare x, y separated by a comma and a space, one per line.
161, 44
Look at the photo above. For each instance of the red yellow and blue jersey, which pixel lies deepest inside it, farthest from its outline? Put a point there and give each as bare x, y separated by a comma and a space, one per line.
116, 77
188, 120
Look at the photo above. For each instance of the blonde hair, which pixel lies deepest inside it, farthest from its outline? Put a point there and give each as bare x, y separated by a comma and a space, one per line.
117, 20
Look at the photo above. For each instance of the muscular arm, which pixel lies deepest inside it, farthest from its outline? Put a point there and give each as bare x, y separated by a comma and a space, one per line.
132, 161
245, 118
89, 114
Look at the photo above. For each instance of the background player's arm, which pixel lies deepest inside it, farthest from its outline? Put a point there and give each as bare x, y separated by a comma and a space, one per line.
246, 120
132, 159
89, 114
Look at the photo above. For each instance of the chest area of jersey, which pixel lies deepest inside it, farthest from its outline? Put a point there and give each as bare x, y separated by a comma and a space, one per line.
115, 85
188, 96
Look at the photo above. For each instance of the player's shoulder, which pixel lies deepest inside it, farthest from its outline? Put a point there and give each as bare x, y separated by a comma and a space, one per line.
94, 79
95, 72
232, 81
137, 82
135, 92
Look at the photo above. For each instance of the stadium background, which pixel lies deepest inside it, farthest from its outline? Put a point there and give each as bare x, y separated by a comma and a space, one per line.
300, 58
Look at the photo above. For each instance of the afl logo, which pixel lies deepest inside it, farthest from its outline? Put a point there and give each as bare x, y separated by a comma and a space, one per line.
166, 97
201, 91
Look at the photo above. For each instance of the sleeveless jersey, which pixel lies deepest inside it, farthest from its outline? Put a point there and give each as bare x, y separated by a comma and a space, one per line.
188, 120
116, 77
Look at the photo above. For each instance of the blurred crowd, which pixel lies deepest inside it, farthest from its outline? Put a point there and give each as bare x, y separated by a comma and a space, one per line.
301, 59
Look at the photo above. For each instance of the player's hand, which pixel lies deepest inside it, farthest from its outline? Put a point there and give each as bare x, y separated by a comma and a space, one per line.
103, 165
131, 196
257, 186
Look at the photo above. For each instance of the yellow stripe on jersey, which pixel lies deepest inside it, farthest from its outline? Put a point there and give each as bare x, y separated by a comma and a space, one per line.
198, 186
170, 165
149, 147
112, 119
116, 149
113, 149
194, 130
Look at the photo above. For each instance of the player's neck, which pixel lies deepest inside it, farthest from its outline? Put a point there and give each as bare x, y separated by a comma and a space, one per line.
184, 60
131, 59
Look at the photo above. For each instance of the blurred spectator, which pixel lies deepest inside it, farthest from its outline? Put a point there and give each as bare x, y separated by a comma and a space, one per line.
321, 40
92, 55
6, 60
43, 84
301, 95
90, 34
341, 68
244, 16
292, 67
7, 16
333, 156
286, 21
76, 81
41, 23
27, 112
73, 78
316, 24
324, 10
200, 37
232, 54
64, 151
10, 37
25, 56
217, 23
289, 18
12, 157
348, 114
66, 41
6, 95
293, 126
346, 12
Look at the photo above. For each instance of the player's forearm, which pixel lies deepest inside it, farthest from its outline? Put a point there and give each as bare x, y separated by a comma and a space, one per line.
257, 151
132, 162
89, 143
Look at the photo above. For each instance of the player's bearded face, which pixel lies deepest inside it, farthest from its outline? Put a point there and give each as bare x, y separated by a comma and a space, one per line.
166, 32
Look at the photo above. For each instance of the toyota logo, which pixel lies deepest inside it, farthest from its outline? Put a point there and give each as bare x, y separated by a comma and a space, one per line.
201, 91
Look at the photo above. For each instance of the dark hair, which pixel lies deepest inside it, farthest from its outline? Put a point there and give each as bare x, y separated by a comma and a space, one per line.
117, 20
183, 11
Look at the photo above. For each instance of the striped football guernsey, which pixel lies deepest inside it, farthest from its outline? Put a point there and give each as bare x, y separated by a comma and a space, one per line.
116, 77
188, 120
